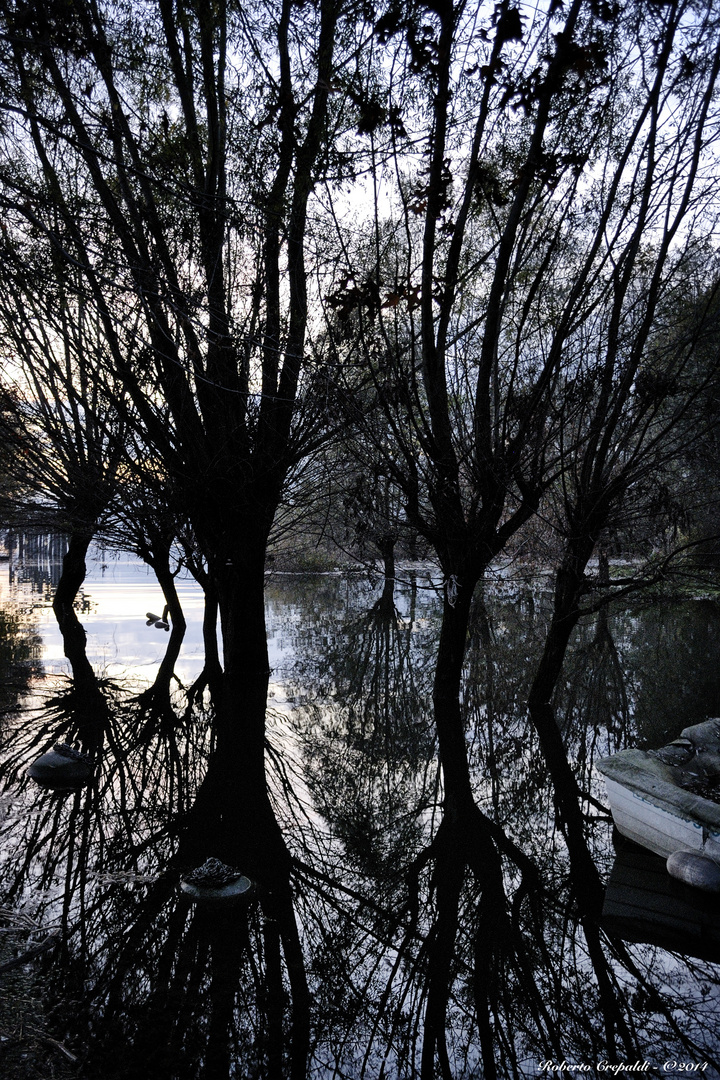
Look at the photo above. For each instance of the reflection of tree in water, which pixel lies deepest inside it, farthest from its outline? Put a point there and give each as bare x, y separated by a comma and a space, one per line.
596, 684
35, 559
530, 964
368, 762
335, 966
138, 778
637, 677
505, 637
172, 984
19, 653
609, 998
676, 675
632, 677
366, 733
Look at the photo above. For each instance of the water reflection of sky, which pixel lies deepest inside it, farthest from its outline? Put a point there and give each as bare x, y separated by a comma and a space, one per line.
116, 594
118, 591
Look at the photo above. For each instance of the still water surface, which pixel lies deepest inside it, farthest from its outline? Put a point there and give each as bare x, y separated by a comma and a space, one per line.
373, 942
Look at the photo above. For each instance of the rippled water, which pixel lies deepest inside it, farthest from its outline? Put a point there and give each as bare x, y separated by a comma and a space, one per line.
377, 938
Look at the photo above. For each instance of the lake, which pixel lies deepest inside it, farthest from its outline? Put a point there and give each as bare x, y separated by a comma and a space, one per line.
371, 944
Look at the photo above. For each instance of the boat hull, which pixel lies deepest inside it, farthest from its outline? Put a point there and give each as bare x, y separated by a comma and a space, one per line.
650, 805
653, 826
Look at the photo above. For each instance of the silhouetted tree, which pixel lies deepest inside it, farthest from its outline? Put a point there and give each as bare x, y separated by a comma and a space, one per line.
552, 176
168, 154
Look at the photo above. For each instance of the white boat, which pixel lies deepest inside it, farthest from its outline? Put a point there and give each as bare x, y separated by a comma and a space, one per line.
665, 799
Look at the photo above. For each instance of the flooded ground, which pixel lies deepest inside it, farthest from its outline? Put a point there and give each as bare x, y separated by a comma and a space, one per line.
360, 950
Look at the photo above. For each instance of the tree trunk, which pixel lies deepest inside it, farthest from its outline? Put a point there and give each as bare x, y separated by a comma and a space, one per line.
446, 702
241, 716
72, 630
568, 589
466, 838
386, 545
233, 823
159, 692
211, 674
213, 667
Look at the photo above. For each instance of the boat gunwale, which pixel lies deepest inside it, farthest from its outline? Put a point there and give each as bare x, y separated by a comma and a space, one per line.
646, 776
